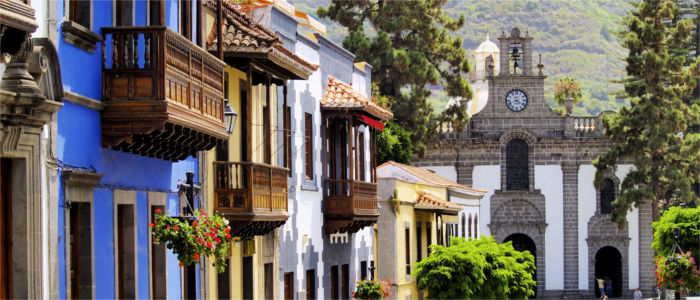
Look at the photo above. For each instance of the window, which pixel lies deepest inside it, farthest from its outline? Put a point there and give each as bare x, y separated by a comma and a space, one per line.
346, 278
428, 236
470, 225
185, 18
79, 11
156, 12
308, 146
124, 10
361, 157
311, 284
517, 172
419, 241
268, 281
288, 139
223, 282
126, 254
158, 264
266, 133
464, 226
407, 245
607, 196
288, 286
363, 270
476, 226
334, 282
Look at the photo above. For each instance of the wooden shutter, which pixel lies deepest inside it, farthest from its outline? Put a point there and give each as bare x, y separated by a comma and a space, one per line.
346, 278
407, 245
310, 284
419, 240
334, 282
308, 145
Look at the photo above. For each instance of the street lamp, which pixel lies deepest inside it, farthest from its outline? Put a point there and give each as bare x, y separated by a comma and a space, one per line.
230, 116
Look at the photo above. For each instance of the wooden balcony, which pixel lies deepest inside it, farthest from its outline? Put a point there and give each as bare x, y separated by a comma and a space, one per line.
252, 196
350, 205
164, 94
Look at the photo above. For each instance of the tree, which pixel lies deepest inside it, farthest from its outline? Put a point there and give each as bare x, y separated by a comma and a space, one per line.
409, 47
476, 269
687, 220
652, 132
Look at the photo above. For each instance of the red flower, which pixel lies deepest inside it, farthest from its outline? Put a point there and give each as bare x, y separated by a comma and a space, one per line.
218, 225
209, 244
168, 226
228, 236
227, 230
176, 228
196, 256
158, 210
180, 263
153, 225
194, 223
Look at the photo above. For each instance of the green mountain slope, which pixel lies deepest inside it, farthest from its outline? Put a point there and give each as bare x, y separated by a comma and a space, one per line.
575, 37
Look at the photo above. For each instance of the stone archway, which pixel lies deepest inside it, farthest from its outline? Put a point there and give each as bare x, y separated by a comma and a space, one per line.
608, 264
522, 242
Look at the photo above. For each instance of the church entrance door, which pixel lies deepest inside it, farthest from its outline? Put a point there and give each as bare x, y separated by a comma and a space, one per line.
608, 263
523, 242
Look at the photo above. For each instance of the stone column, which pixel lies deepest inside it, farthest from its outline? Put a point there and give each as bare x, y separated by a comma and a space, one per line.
647, 279
570, 187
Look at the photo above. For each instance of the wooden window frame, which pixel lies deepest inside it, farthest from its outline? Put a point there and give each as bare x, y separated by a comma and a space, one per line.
117, 12
308, 146
185, 21
407, 245
73, 11
151, 15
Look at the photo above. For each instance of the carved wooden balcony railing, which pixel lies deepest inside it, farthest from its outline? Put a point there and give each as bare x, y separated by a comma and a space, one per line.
350, 205
164, 94
252, 196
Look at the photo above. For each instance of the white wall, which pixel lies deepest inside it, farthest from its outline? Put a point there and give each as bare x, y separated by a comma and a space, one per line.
448, 172
586, 209
633, 233
486, 178
549, 179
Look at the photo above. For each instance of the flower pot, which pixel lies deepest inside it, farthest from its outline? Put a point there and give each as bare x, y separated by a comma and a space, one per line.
569, 104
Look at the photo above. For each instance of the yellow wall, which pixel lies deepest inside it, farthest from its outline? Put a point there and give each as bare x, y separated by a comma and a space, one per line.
235, 150
407, 194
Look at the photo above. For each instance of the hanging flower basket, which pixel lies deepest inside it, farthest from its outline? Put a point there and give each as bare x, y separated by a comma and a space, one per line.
371, 289
677, 271
193, 237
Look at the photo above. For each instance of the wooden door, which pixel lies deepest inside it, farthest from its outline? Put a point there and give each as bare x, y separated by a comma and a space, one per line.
334, 282
289, 286
247, 277
311, 284
5, 228
345, 278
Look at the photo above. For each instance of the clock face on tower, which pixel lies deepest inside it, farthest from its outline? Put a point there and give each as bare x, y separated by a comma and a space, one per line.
516, 100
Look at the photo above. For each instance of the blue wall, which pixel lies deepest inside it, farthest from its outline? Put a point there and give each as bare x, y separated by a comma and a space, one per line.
79, 146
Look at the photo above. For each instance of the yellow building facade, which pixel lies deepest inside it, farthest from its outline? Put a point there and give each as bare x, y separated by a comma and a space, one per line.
416, 212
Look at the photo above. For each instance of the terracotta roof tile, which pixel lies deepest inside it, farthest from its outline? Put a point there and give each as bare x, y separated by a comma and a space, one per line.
340, 95
242, 34
427, 200
431, 177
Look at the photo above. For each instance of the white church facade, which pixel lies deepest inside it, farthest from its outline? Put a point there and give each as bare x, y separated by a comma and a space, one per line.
537, 168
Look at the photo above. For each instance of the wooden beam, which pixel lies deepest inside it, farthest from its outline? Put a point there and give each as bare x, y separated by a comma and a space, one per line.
249, 115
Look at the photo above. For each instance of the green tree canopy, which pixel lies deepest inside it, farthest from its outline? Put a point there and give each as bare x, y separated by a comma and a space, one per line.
652, 132
409, 47
476, 269
687, 220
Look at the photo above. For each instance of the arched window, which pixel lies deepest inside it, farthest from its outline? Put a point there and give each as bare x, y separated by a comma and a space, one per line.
517, 173
470, 225
476, 226
607, 195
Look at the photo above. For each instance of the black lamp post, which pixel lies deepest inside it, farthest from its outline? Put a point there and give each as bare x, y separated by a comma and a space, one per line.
189, 189
230, 116
371, 269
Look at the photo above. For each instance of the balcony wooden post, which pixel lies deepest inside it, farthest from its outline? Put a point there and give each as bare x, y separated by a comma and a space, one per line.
351, 160
249, 115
